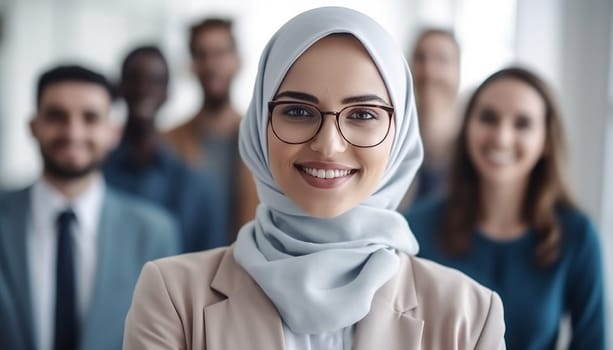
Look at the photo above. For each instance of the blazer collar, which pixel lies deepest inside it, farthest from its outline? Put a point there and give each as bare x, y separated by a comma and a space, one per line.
248, 319
109, 236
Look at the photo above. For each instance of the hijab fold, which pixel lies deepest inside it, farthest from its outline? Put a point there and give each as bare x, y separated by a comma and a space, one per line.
322, 274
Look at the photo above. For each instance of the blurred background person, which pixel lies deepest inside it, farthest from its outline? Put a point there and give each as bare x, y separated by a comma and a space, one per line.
71, 247
143, 165
210, 139
435, 63
509, 220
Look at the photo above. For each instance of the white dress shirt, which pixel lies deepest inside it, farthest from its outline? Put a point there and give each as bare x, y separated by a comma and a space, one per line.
341, 339
46, 204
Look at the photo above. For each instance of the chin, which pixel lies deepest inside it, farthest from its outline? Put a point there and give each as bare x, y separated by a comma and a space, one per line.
70, 171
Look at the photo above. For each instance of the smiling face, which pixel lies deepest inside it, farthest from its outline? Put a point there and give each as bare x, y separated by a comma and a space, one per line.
506, 131
73, 129
326, 176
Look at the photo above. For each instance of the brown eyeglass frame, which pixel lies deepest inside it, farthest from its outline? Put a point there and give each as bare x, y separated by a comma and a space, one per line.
389, 109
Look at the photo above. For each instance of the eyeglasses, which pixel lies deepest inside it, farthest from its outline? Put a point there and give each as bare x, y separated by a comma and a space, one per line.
361, 125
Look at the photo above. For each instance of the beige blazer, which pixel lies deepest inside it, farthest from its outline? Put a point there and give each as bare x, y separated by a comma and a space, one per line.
207, 301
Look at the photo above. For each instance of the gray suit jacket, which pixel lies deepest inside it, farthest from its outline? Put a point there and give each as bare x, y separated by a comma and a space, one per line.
131, 233
207, 301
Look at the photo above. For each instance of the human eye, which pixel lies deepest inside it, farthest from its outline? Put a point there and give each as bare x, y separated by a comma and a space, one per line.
91, 117
523, 123
488, 117
297, 111
55, 115
363, 113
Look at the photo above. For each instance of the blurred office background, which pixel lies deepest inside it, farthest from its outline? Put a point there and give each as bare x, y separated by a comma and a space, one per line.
569, 42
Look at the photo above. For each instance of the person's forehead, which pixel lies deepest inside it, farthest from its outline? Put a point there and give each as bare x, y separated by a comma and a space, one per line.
438, 40
213, 34
144, 61
75, 93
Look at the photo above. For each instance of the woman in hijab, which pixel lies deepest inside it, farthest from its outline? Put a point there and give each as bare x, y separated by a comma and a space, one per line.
331, 137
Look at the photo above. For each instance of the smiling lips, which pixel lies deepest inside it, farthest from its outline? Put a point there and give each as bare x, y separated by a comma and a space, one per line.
500, 158
325, 175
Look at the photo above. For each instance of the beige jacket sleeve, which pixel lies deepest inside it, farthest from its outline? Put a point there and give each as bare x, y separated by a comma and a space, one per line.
492, 334
152, 322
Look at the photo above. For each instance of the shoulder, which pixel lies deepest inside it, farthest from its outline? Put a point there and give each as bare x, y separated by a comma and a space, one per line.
580, 245
577, 228
186, 278
450, 301
14, 198
134, 210
169, 300
186, 269
176, 134
452, 287
184, 142
573, 220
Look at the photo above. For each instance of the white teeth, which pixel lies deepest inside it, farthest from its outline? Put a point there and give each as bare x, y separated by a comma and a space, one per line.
326, 173
500, 157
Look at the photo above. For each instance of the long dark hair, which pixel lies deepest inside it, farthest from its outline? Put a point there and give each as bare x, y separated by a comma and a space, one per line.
547, 187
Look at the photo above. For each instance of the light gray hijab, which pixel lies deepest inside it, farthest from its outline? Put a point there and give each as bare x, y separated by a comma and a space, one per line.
321, 274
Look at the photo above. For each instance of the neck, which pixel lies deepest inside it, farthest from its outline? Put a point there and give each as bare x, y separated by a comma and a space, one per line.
216, 104
219, 119
501, 210
72, 188
139, 129
142, 136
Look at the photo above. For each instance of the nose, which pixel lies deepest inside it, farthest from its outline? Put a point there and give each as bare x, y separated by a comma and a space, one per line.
504, 135
430, 69
329, 139
74, 129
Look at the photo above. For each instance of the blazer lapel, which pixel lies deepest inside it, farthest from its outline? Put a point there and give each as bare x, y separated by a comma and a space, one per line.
103, 288
390, 325
246, 318
13, 233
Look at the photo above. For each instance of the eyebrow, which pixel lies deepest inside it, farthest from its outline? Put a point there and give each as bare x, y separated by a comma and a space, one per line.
364, 98
298, 95
310, 98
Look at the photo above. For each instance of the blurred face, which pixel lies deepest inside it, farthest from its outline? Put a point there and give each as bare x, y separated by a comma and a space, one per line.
327, 176
73, 129
436, 71
506, 131
215, 61
144, 85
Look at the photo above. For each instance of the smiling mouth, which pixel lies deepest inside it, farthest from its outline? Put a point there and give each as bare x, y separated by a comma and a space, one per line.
326, 173
500, 157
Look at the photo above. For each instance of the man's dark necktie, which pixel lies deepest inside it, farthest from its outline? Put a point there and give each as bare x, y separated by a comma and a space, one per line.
66, 327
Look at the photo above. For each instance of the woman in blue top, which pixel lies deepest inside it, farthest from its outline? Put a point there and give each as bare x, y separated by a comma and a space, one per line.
509, 221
